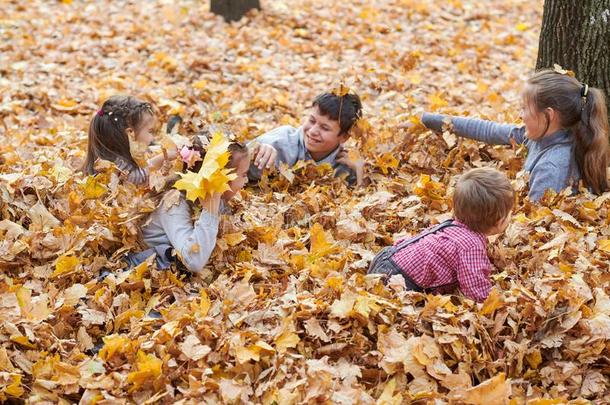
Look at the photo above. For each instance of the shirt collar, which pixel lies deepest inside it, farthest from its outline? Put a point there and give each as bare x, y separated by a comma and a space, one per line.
560, 136
481, 235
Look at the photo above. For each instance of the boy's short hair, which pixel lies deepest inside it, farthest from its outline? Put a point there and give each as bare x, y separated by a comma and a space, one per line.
346, 109
482, 197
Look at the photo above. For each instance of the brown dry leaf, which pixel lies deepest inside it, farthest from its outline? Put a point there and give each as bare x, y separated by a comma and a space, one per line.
193, 349
496, 390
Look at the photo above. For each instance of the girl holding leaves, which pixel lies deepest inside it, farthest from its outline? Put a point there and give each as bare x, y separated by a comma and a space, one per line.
213, 174
116, 130
565, 132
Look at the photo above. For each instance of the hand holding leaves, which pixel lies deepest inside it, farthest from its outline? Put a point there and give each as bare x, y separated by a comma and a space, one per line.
264, 155
354, 161
213, 177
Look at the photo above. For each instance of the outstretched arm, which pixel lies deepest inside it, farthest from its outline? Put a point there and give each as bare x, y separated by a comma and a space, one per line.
479, 130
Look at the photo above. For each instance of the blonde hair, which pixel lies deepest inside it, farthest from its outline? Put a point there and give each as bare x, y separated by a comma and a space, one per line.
482, 198
582, 110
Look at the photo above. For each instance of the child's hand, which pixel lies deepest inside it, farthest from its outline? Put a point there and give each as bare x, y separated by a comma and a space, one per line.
211, 203
172, 153
264, 155
354, 162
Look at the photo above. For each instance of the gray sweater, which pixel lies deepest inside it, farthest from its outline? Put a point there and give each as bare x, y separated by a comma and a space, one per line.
173, 226
550, 161
290, 146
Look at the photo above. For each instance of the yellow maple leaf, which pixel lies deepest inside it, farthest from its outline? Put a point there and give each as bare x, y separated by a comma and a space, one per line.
65, 264
426, 187
23, 341
93, 188
386, 161
494, 301
200, 85
126, 316
437, 101
234, 239
521, 26
14, 389
114, 344
24, 297
205, 303
604, 245
245, 354
286, 340
212, 177
534, 359
149, 368
320, 244
340, 91
496, 390
387, 396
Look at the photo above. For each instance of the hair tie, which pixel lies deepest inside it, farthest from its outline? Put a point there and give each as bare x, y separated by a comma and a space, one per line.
100, 112
584, 90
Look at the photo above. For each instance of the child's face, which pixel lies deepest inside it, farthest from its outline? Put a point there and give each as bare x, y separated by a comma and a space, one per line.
238, 183
322, 135
534, 120
144, 133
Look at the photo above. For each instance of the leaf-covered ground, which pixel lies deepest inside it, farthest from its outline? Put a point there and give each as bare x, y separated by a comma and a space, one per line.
284, 313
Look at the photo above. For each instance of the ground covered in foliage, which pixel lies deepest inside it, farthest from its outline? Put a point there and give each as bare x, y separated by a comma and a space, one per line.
284, 312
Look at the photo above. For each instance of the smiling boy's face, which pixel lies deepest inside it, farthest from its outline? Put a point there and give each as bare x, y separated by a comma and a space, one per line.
322, 134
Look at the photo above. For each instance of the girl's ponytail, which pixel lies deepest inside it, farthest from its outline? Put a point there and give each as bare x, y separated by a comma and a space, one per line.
88, 167
591, 136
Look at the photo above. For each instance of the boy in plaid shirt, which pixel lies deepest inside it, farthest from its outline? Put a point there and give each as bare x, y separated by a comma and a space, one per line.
453, 254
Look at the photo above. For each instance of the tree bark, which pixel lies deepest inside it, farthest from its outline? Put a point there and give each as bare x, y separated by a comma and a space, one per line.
576, 35
233, 10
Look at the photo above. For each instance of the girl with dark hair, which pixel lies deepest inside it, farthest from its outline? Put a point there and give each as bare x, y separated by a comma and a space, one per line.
120, 120
565, 132
320, 138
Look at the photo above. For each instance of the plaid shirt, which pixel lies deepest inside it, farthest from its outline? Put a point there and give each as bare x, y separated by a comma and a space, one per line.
452, 257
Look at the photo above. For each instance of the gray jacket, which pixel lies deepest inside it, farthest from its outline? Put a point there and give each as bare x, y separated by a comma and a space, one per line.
550, 161
193, 242
290, 146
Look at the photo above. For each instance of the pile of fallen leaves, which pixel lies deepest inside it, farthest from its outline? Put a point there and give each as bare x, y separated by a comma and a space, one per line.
284, 312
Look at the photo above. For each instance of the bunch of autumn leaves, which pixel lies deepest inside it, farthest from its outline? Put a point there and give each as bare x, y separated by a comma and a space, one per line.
213, 176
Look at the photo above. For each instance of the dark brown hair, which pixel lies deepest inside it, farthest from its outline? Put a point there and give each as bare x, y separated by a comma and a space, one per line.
108, 138
482, 197
582, 110
346, 109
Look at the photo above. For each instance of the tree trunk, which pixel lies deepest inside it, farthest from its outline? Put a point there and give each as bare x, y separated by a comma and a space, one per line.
233, 10
576, 35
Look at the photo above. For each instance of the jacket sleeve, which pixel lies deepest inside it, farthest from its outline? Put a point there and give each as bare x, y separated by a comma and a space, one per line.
479, 130
285, 141
193, 243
